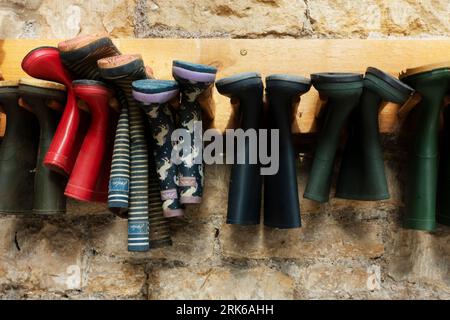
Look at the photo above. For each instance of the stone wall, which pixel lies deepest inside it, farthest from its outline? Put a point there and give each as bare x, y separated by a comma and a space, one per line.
346, 249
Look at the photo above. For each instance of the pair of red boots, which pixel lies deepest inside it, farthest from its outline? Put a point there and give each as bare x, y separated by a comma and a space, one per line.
82, 145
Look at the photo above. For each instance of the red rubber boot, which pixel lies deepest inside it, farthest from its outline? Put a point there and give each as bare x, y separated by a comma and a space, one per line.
87, 181
45, 63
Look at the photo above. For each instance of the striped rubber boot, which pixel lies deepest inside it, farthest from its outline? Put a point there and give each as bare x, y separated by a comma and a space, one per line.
122, 71
153, 97
193, 79
80, 55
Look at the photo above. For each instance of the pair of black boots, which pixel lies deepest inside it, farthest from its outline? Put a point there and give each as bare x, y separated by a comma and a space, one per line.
354, 98
32, 114
281, 200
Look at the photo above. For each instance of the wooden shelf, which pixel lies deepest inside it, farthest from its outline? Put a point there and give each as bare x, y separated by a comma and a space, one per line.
266, 56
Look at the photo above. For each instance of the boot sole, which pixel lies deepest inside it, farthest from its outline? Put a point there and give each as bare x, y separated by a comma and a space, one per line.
193, 71
117, 67
154, 91
239, 81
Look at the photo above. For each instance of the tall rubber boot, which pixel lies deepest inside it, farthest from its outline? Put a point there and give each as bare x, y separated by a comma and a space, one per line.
45, 63
342, 91
46, 100
244, 195
443, 216
362, 175
143, 184
153, 97
80, 54
281, 202
94, 156
193, 80
18, 152
432, 83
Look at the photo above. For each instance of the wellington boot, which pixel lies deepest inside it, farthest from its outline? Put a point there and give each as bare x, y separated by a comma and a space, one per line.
342, 91
244, 195
432, 83
193, 80
362, 175
85, 182
18, 152
132, 175
443, 216
46, 100
80, 55
153, 97
281, 202
45, 63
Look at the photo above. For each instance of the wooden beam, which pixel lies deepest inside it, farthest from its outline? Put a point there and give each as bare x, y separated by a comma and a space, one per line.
266, 56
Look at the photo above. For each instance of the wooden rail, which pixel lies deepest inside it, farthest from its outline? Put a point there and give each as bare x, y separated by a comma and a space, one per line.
266, 56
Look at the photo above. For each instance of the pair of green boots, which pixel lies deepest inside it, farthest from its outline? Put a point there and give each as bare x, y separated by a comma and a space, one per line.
426, 191
32, 113
356, 98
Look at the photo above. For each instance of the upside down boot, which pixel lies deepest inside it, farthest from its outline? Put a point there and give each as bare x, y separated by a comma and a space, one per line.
281, 203
193, 80
80, 54
342, 91
143, 215
362, 175
432, 83
153, 97
443, 216
45, 63
94, 157
46, 100
244, 195
18, 152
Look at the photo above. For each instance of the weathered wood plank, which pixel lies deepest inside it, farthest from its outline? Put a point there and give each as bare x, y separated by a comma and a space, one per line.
266, 56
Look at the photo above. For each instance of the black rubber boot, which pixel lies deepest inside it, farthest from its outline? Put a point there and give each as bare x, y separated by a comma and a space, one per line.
244, 196
49, 186
342, 91
362, 175
281, 202
17, 153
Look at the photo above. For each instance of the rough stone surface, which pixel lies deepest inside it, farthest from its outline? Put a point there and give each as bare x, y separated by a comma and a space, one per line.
346, 249
220, 283
237, 19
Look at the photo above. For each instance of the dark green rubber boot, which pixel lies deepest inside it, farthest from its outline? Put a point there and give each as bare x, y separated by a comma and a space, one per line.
44, 98
362, 175
443, 214
342, 91
244, 194
17, 153
281, 203
432, 83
